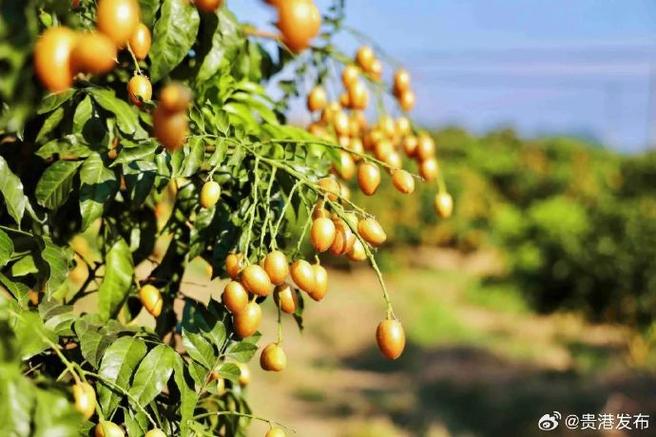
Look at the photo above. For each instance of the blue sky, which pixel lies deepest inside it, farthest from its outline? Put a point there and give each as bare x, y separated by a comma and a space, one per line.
541, 66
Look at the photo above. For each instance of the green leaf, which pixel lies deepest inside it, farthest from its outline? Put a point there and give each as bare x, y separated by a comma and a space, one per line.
194, 157
188, 396
126, 118
31, 335
57, 317
92, 342
83, 113
148, 11
97, 185
242, 351
16, 400
54, 415
69, 147
51, 122
11, 188
56, 268
24, 266
230, 371
116, 284
153, 374
6, 248
198, 348
225, 40
175, 33
56, 183
117, 366
54, 101
17, 289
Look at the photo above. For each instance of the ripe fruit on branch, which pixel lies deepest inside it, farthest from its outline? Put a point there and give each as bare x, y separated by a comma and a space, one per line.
299, 21
208, 5
303, 274
357, 252
403, 126
350, 75
425, 147
410, 145
52, 58
407, 100
368, 178
365, 57
376, 69
210, 194
428, 169
85, 399
118, 19
317, 99
443, 205
358, 96
346, 167
275, 265
93, 53
273, 358
108, 429
139, 89
140, 41
344, 238
320, 282
322, 234
371, 231
155, 432
341, 123
391, 338
403, 181
284, 298
170, 128
175, 97
275, 432
233, 264
401, 81
151, 299
330, 186
247, 321
255, 279
234, 297
244, 374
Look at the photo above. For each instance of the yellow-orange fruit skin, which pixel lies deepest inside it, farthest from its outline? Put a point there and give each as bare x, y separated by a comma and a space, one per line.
234, 297
407, 100
255, 279
151, 299
425, 147
443, 204
320, 285
401, 81
52, 58
357, 252
317, 99
244, 374
175, 97
403, 181
428, 169
368, 178
275, 265
140, 41
118, 19
330, 186
155, 432
322, 234
273, 358
85, 399
275, 432
247, 321
170, 128
208, 5
371, 231
365, 57
284, 298
233, 264
391, 338
210, 194
140, 90
108, 429
299, 21
93, 53
303, 275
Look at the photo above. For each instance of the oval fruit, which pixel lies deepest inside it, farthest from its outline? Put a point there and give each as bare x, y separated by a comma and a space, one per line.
93, 53
175, 97
247, 321
341, 123
155, 432
151, 299
275, 265
52, 58
407, 100
357, 252
425, 147
428, 169
233, 264
358, 96
368, 178
273, 358
365, 57
371, 231
85, 399
234, 297
285, 299
140, 41
170, 128
344, 238
322, 234
320, 283
443, 204
118, 19
376, 69
403, 181
330, 186
208, 5
244, 374
275, 432
317, 99
139, 90
350, 75
210, 194
394, 160
255, 279
391, 338
403, 126
302, 274
319, 210
108, 429
383, 148
346, 167
299, 21
410, 146
401, 81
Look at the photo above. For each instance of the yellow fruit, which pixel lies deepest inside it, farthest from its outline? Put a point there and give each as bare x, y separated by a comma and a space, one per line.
357, 252
350, 74
155, 432
407, 100
244, 374
275, 265
428, 169
330, 186
344, 238
247, 321
401, 81
443, 205
302, 274
151, 299
139, 90
391, 338
234, 297
394, 160
368, 178
108, 429
85, 399
317, 99
371, 231
170, 128
255, 279
376, 69
322, 234
319, 284
299, 21
285, 299
365, 57
403, 181
118, 19
341, 123
140, 41
210, 194
383, 149
275, 432
410, 146
273, 358
52, 58
346, 167
403, 126
93, 53
175, 97
233, 264
425, 147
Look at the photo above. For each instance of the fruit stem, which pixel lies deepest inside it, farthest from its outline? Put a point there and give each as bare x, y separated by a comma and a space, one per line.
134, 59
253, 207
235, 413
282, 214
259, 33
267, 204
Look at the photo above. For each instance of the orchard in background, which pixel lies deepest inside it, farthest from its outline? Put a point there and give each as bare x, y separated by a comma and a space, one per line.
137, 136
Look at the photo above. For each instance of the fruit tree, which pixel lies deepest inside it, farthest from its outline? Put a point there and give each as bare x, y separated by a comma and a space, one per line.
137, 136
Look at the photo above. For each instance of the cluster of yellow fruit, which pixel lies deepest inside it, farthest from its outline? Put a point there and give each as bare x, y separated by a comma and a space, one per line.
299, 22
61, 53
